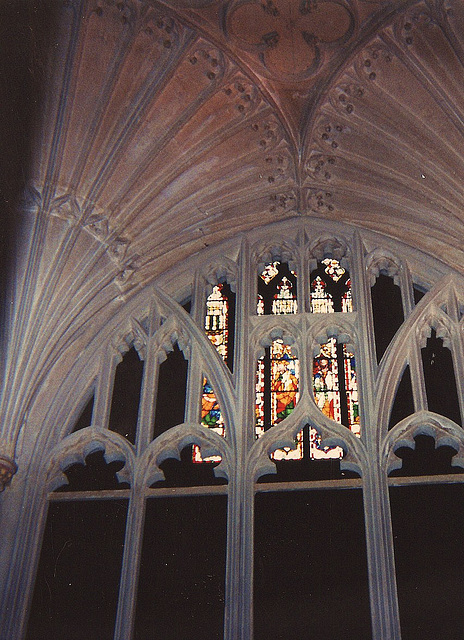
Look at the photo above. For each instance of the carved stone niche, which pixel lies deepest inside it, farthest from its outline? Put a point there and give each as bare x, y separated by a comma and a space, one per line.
7, 470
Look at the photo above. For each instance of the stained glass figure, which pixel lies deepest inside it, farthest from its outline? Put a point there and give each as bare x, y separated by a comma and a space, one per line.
289, 453
277, 292
336, 395
284, 381
330, 288
269, 272
277, 391
218, 308
220, 321
216, 320
211, 418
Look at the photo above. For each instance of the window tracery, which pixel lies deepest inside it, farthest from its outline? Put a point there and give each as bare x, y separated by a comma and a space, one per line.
330, 288
281, 408
277, 290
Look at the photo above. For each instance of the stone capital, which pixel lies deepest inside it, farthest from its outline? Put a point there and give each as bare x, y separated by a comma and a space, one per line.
8, 468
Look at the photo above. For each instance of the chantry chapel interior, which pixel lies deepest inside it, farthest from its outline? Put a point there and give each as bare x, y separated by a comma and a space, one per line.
232, 319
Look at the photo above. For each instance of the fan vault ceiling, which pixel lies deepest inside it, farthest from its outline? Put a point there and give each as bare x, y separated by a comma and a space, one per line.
170, 126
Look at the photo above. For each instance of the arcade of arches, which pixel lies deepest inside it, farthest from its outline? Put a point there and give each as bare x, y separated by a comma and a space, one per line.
233, 358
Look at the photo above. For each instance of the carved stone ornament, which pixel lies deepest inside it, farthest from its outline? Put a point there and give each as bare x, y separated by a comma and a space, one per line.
289, 37
66, 207
7, 470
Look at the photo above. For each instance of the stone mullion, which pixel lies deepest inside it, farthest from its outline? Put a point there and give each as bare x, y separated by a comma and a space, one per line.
195, 364
17, 579
147, 408
415, 362
239, 567
125, 619
417, 374
367, 368
379, 537
380, 554
407, 293
244, 630
104, 387
457, 348
194, 385
303, 284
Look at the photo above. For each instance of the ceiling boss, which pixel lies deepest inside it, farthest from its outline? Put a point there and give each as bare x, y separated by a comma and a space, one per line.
290, 36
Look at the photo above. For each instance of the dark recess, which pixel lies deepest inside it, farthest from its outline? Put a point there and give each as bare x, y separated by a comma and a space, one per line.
27, 31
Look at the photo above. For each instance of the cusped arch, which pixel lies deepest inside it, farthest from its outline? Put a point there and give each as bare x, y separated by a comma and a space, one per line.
170, 445
271, 250
283, 435
221, 270
76, 447
329, 246
444, 431
381, 261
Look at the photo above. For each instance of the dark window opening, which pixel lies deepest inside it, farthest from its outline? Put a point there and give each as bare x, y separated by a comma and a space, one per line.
425, 459
440, 381
419, 293
181, 587
387, 310
403, 405
310, 577
76, 590
187, 305
429, 555
188, 473
126, 395
95, 475
172, 391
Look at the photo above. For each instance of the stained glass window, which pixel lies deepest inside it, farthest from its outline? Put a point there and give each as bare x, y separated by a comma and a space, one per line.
216, 320
220, 321
336, 394
217, 329
330, 288
211, 417
277, 292
178, 390
277, 391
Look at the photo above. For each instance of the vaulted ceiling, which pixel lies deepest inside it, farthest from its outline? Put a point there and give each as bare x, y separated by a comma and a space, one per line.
166, 127
172, 125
